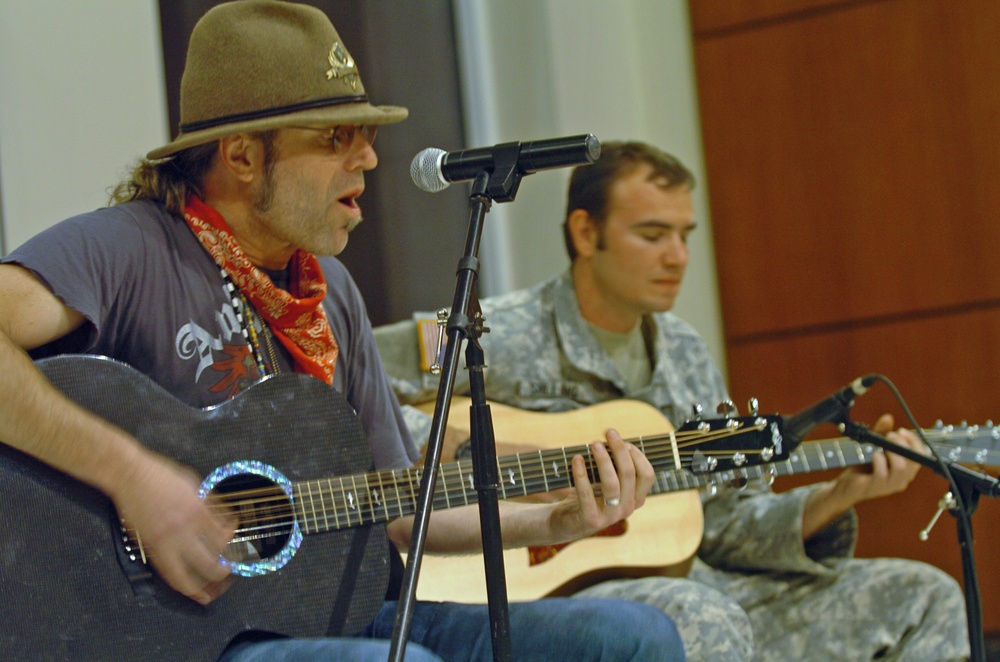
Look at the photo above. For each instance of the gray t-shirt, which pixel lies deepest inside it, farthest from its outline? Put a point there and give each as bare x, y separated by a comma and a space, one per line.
153, 298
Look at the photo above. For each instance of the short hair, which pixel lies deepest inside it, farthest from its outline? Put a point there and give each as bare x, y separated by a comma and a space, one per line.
590, 185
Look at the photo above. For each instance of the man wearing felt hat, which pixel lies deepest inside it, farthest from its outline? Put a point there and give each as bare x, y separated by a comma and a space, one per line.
213, 268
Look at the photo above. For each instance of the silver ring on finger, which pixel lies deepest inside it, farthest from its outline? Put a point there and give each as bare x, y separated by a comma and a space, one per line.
612, 501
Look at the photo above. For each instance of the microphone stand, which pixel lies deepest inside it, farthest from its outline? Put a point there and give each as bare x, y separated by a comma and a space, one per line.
966, 487
465, 323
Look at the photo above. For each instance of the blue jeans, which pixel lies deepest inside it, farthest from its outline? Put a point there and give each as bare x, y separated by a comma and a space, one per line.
570, 629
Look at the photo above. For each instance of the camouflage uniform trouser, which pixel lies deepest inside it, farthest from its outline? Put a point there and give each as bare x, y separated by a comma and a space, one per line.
886, 609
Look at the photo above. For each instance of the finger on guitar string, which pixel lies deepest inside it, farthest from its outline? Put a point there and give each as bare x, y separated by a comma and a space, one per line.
634, 474
645, 475
622, 472
610, 481
584, 489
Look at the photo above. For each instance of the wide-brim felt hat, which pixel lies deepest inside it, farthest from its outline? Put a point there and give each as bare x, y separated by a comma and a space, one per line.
254, 65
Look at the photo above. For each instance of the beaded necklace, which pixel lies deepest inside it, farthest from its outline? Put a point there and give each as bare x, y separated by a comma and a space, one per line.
252, 321
246, 317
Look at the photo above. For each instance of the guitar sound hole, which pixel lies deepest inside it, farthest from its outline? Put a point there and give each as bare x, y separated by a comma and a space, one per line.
263, 512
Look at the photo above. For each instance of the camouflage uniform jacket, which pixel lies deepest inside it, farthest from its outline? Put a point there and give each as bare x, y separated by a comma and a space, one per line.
541, 356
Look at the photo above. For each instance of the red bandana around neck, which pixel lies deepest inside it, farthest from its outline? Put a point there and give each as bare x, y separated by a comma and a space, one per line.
296, 319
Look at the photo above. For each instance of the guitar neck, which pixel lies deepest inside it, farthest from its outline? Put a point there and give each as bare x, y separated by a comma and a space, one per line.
972, 445
336, 503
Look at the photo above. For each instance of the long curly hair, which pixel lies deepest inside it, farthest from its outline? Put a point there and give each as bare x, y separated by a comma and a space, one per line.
169, 181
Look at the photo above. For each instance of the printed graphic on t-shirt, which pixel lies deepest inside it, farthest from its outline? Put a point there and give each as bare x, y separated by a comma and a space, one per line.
234, 361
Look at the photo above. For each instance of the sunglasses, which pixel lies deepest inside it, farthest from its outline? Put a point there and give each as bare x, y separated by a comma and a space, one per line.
342, 137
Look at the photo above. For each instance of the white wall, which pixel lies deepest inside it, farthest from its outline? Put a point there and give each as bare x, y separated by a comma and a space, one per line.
81, 97
620, 69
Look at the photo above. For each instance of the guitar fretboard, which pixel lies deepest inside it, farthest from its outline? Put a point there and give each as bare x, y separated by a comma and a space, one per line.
978, 445
336, 503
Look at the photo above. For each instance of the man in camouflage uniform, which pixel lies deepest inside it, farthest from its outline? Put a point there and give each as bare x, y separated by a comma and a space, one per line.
774, 578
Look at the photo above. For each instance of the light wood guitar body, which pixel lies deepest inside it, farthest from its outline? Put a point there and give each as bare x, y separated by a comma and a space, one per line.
659, 538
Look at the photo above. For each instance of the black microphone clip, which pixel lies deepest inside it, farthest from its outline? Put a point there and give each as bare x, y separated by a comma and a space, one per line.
828, 410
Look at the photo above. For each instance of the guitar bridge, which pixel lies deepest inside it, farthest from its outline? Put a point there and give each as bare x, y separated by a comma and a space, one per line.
132, 557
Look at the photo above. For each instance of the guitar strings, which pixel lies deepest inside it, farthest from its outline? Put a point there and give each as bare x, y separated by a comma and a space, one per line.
248, 497
267, 511
270, 507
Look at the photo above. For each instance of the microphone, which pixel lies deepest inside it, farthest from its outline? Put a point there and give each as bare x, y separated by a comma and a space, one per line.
826, 410
433, 169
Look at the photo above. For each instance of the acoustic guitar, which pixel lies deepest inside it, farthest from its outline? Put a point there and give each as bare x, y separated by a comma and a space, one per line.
288, 457
662, 537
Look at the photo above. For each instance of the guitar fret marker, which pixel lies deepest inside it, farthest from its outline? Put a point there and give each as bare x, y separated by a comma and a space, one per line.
333, 503
502, 486
343, 492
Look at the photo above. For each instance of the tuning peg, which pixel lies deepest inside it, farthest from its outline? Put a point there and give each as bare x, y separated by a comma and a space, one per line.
727, 408
753, 406
768, 475
696, 410
701, 463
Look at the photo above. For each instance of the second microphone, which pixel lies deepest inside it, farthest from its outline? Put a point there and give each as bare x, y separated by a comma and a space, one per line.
433, 169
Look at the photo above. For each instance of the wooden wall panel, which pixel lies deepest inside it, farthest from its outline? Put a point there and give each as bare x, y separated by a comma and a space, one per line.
945, 367
845, 139
714, 16
853, 153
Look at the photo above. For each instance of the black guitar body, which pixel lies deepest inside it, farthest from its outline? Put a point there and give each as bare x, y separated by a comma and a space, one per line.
69, 587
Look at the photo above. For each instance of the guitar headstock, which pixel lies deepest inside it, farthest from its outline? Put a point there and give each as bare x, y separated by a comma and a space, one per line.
966, 444
723, 444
